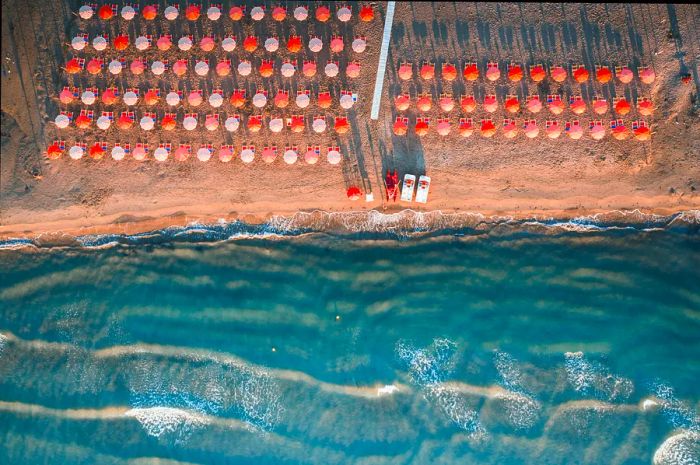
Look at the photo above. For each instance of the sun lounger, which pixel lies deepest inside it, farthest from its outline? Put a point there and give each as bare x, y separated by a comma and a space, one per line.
409, 182
423, 188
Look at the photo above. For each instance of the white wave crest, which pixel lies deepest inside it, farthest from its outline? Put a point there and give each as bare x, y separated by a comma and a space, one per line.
3, 342
592, 378
680, 449
522, 409
676, 412
167, 421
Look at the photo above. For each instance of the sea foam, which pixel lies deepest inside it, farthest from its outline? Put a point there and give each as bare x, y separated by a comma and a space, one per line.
593, 378
522, 408
165, 421
679, 449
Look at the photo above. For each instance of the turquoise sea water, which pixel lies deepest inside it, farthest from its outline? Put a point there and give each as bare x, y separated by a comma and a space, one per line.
507, 348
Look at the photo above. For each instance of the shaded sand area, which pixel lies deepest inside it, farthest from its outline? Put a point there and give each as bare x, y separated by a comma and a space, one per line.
512, 177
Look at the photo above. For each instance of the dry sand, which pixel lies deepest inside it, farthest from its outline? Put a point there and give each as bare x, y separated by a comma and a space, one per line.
520, 177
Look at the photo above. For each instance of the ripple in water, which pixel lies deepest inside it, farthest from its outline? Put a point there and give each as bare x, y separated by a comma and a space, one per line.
593, 378
522, 409
427, 369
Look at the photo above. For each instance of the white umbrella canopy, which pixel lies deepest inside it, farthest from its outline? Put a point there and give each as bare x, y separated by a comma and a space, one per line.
244, 68
247, 155
128, 12
141, 43
86, 11
78, 43
201, 68
118, 153
346, 101
257, 13
301, 13
184, 43
333, 157
315, 44
103, 123
259, 100
147, 123
172, 99
276, 125
232, 124
331, 70
160, 154
216, 100
228, 44
62, 121
344, 14
115, 67
302, 100
130, 98
203, 154
319, 125
171, 13
213, 13
76, 152
88, 97
189, 123
359, 45
99, 43
158, 67
288, 70
272, 44
290, 156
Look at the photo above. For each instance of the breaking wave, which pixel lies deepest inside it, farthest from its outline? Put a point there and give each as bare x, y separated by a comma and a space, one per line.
676, 412
522, 409
589, 377
679, 449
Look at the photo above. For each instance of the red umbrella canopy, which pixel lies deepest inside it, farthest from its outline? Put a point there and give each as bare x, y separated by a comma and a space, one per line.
488, 129
647, 75
279, 13
324, 100
254, 123
622, 107
105, 12
446, 103
337, 44
294, 44
164, 43
323, 13
466, 129
449, 72
223, 68
124, 122
137, 67
400, 127
402, 102
620, 132
66, 96
603, 74
168, 123
600, 106
266, 69
181, 154
512, 104
238, 98
515, 73
281, 99
54, 151
581, 74
235, 13
557, 106
471, 72
468, 103
645, 107
424, 103
297, 124
443, 128
149, 12
82, 122
558, 74
192, 12
427, 71
96, 151
421, 128
250, 43
94, 66
180, 67
578, 106
121, 42
73, 66
151, 97
354, 193
490, 103
366, 13
625, 75
537, 73
642, 133
341, 125
405, 71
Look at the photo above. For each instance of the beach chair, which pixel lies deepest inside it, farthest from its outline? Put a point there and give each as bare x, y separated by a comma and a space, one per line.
423, 188
409, 182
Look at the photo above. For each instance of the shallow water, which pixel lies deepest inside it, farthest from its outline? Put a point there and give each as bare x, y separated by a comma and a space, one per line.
509, 348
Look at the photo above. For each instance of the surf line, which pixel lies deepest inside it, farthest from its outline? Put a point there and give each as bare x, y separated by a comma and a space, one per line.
383, 55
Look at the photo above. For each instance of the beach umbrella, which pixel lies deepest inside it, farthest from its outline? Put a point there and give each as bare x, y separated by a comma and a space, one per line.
581, 75
622, 107
203, 154
493, 73
315, 44
207, 44
337, 44
421, 128
319, 125
490, 103
235, 13
105, 12
142, 43
424, 103
323, 13
158, 67
534, 104
324, 100
272, 44
254, 123
344, 14
531, 129
466, 129
160, 154
510, 130
427, 71
180, 67
276, 124
76, 152
194, 98
130, 98
443, 128
333, 157
168, 123
400, 127
449, 72
281, 99
237, 99
231, 124
341, 125
223, 68
512, 105
189, 123
597, 131
109, 97
171, 13
301, 13
642, 133
244, 68
302, 100
537, 73
66, 96
192, 12
164, 43
575, 131
405, 71
279, 13
257, 13
553, 130
121, 42
468, 103
309, 68
558, 74
78, 42
603, 74
182, 153
151, 97
600, 106
201, 68
647, 75
620, 132
225, 155
147, 123
61, 121
216, 100
94, 66
139, 153
88, 97
259, 100
290, 156
354, 193
73, 66
471, 72
311, 156
115, 67
359, 45
578, 106
331, 70
346, 101
353, 70
515, 73
297, 124
124, 122
366, 13
268, 155
228, 44
96, 151
294, 44
556, 106
288, 69
213, 13
402, 102
625, 75
86, 12
118, 153
645, 107
488, 129
150, 12
247, 155
54, 151
250, 44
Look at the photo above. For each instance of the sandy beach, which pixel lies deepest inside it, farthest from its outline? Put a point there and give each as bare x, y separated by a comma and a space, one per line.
517, 177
